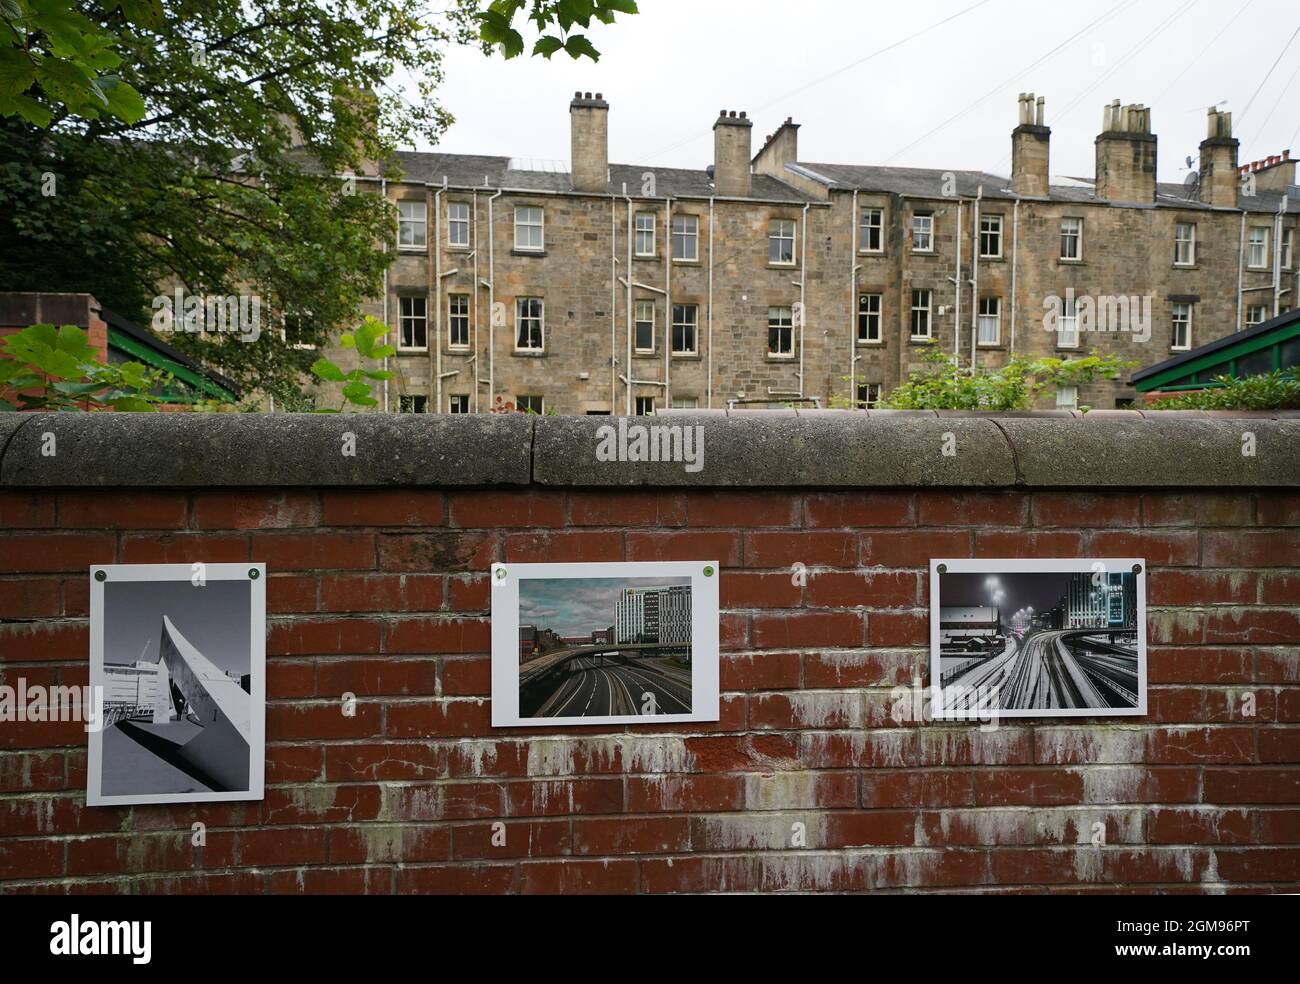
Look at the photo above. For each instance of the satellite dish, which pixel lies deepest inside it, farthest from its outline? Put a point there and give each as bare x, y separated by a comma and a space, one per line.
1192, 185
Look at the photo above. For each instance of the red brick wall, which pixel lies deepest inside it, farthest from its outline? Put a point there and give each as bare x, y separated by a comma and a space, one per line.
384, 594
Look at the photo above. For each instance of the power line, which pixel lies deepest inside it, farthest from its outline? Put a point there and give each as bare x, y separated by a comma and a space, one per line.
1002, 85
1201, 54
1285, 89
831, 75
1242, 114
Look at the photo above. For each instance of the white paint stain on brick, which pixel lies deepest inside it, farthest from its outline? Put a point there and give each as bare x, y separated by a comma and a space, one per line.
1101, 744
628, 753
477, 758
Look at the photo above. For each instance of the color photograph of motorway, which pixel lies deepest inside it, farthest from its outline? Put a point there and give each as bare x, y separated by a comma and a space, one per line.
1038, 641
604, 647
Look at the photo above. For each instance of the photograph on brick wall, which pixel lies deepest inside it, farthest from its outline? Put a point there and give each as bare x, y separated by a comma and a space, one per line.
604, 643
1031, 638
177, 670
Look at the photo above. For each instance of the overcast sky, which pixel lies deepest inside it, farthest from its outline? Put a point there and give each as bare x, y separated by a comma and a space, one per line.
668, 70
578, 606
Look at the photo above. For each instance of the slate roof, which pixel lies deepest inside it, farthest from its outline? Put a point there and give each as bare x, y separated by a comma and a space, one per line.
469, 170
927, 182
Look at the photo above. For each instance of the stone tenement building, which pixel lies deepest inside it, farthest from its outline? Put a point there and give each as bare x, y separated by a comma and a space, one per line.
768, 279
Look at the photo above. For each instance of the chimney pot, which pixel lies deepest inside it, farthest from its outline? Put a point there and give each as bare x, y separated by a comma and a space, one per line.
589, 144
599, 96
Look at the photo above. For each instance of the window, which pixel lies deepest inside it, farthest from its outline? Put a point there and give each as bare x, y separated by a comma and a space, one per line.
685, 402
458, 403
412, 224
991, 236
686, 320
1257, 247
530, 404
1072, 239
1067, 398
1181, 335
1256, 314
413, 323
645, 406
457, 223
528, 323
923, 232
645, 326
780, 332
1184, 244
780, 241
921, 299
645, 234
1067, 329
1288, 239
529, 220
868, 395
990, 321
458, 320
415, 403
869, 318
871, 230
686, 237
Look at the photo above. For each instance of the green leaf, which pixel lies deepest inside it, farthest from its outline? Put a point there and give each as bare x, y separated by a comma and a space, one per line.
325, 369
577, 46
547, 45
356, 391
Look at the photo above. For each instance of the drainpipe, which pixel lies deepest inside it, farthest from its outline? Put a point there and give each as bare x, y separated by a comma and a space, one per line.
383, 193
803, 283
473, 359
613, 300
1277, 257
1241, 259
630, 325
956, 280
668, 303
975, 278
1015, 242
437, 295
853, 300
709, 312
492, 321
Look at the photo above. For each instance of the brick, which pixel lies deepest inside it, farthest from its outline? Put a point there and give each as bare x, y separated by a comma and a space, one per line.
380, 592
626, 509
759, 671
312, 636
495, 510
906, 548
1200, 508
751, 589
1193, 588
290, 593
698, 874
630, 835
816, 548
1281, 588
28, 641
560, 797
318, 551
459, 879
384, 762
887, 668
684, 545
438, 635
469, 593
866, 589
450, 552
1259, 785
184, 548
1251, 548
512, 839
1199, 825
1258, 626
371, 677
234, 510
868, 828
382, 507
144, 511
859, 509
389, 844
35, 553
26, 510
1198, 665
940, 508
1279, 745
898, 628
30, 597
685, 794
1027, 544
1279, 508
603, 877
317, 720
807, 630
580, 547
1086, 510
741, 509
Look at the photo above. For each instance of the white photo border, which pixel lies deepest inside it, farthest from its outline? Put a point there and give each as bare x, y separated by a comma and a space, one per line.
257, 672
704, 638
1057, 565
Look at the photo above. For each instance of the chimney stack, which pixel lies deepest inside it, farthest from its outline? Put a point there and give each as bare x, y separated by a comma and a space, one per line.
731, 176
780, 148
1030, 142
1126, 155
1276, 173
1219, 182
589, 142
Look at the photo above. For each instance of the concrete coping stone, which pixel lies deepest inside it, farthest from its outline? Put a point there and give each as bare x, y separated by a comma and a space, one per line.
823, 449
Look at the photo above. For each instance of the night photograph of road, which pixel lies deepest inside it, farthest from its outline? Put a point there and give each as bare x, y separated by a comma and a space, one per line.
604, 647
1039, 641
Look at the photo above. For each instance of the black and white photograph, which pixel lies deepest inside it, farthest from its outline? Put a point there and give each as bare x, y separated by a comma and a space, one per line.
605, 643
177, 670
1029, 638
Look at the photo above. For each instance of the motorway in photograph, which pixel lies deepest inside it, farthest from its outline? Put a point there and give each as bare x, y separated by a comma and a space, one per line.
593, 685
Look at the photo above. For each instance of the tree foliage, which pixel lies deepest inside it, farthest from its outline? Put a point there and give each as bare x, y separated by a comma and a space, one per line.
554, 20
47, 368
943, 385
